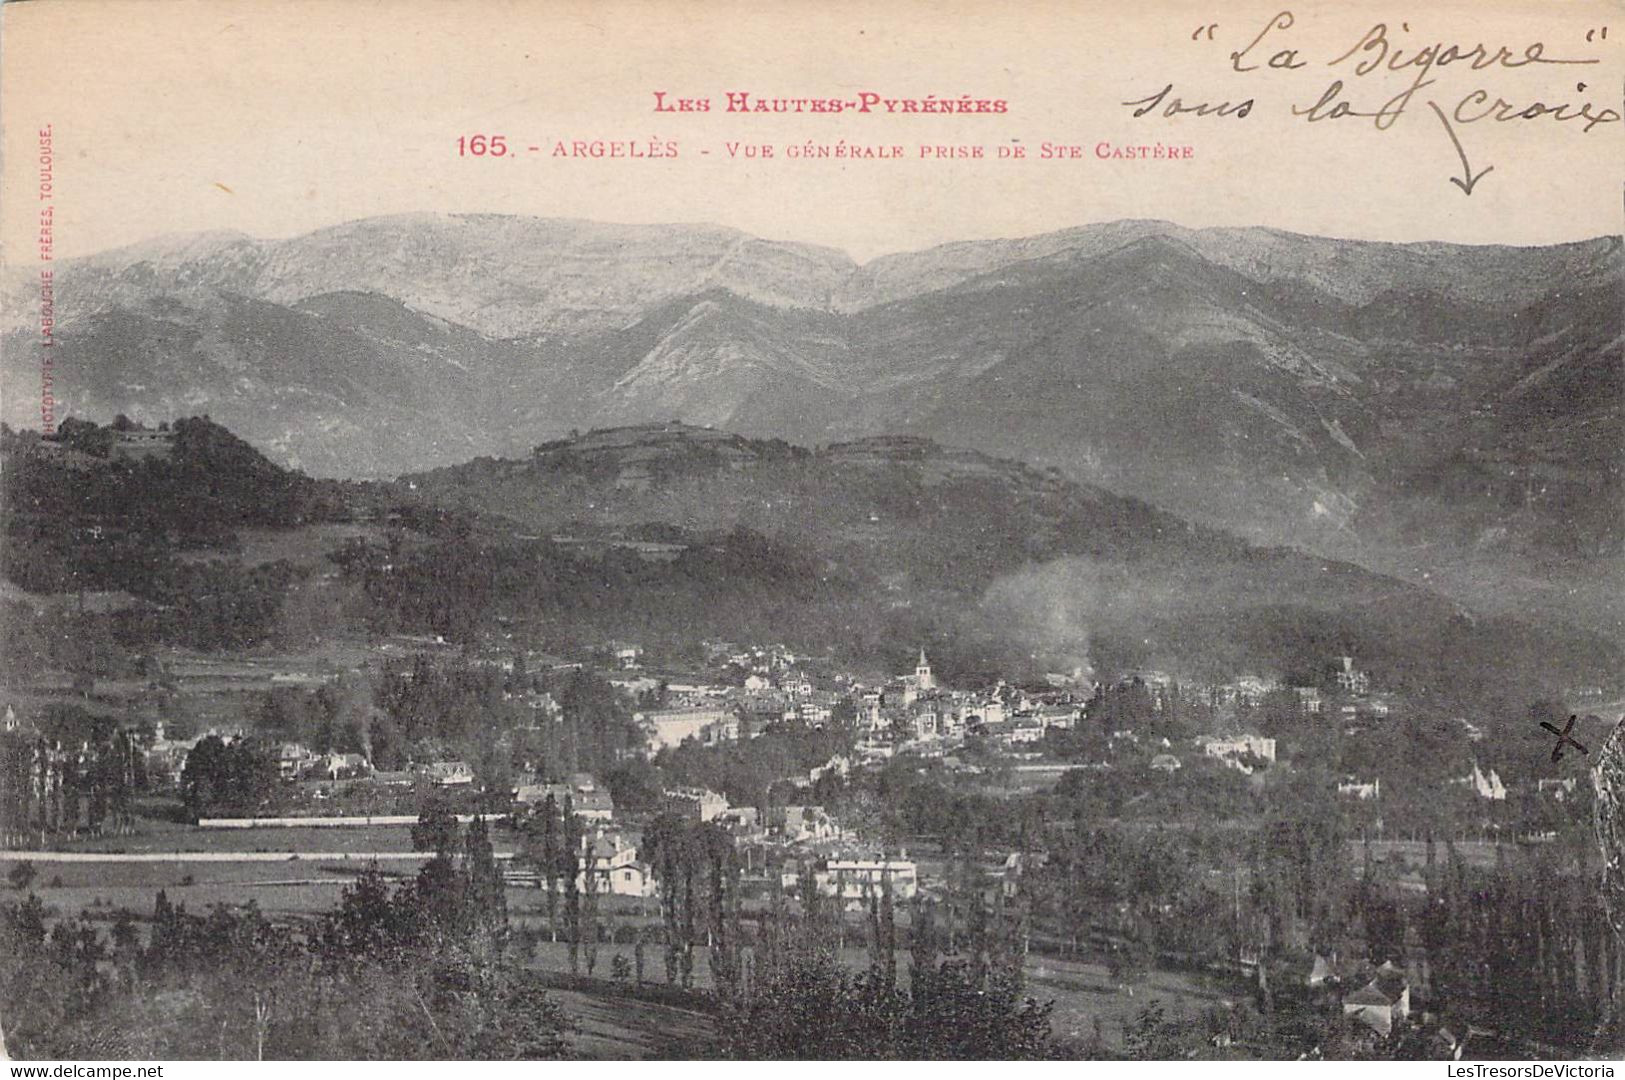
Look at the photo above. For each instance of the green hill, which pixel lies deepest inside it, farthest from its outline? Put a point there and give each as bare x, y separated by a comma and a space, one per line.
874, 547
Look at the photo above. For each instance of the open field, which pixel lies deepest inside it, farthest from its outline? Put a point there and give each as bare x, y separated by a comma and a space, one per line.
286, 871
1083, 990
283, 870
283, 887
611, 1026
1080, 988
280, 884
162, 836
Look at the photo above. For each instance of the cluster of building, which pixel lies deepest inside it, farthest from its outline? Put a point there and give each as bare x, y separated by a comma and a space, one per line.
916, 713
165, 760
581, 793
1346, 693
913, 709
295, 761
1240, 752
780, 849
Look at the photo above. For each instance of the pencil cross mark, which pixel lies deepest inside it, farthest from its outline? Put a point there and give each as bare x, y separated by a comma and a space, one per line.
1564, 738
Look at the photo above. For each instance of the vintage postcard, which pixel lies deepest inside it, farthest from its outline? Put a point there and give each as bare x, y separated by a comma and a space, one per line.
668, 529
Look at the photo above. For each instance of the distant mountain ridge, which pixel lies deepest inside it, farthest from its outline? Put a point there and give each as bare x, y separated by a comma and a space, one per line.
1429, 408
508, 276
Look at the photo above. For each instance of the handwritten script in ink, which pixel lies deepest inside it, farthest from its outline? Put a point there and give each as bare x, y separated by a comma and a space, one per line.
1391, 73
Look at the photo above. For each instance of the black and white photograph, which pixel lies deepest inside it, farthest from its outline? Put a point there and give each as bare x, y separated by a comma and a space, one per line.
812, 532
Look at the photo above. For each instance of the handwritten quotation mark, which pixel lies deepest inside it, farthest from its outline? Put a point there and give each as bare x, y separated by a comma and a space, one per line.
1208, 30
1594, 33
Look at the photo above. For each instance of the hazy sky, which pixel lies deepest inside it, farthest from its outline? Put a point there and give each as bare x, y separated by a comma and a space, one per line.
277, 118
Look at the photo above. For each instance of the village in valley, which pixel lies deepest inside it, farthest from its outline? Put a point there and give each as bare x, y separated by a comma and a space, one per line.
1002, 741
1147, 857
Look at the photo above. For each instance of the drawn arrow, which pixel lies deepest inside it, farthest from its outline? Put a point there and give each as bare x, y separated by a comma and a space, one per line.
1467, 180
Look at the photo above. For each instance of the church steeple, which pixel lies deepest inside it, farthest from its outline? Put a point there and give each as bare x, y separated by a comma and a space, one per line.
922, 674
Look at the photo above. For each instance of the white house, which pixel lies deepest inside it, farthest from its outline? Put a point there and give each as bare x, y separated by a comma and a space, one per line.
839, 765
337, 766
1027, 729
293, 759
1383, 1002
610, 859
1355, 788
587, 799
854, 881
669, 727
802, 823
613, 862
697, 804
446, 773
1231, 748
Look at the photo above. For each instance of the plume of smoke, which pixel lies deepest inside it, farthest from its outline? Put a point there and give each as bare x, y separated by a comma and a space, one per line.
1055, 610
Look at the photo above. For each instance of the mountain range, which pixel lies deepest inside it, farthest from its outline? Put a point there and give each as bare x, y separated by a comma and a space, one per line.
1449, 414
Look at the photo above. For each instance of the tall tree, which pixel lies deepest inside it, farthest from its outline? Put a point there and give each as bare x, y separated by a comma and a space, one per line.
571, 853
486, 897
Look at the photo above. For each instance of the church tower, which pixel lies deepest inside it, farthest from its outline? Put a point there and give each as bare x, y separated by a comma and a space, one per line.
923, 678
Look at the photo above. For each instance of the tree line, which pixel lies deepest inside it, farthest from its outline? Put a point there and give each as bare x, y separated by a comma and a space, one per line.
417, 971
75, 777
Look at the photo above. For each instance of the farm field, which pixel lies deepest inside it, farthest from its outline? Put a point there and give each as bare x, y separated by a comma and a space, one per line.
610, 1027
283, 887
162, 836
1081, 989
286, 871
